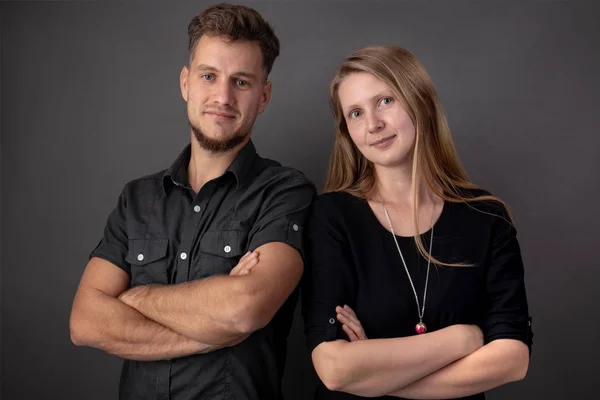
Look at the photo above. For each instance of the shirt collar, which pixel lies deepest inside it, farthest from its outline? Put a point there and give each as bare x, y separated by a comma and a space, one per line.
176, 174
242, 163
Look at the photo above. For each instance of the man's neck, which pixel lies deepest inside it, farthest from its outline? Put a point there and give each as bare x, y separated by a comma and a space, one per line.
205, 165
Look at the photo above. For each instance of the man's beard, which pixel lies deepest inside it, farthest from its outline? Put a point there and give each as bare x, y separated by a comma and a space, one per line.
215, 145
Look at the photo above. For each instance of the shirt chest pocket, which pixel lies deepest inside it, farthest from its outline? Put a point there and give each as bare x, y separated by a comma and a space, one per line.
148, 260
218, 252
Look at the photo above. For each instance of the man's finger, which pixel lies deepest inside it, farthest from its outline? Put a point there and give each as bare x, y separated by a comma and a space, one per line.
246, 264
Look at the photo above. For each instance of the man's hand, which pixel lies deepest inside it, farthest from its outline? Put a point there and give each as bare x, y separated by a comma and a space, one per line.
245, 265
133, 296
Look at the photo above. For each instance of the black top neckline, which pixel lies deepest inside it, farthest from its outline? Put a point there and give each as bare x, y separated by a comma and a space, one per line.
372, 215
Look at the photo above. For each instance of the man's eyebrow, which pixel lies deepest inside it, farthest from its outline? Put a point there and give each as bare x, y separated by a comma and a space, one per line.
210, 68
205, 67
245, 74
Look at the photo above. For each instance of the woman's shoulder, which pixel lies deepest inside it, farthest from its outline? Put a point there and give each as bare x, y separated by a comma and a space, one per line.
336, 204
482, 204
336, 199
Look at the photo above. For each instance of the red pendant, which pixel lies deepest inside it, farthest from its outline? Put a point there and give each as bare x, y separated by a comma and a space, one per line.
421, 328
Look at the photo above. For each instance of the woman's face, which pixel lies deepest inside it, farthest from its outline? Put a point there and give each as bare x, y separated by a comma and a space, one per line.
377, 122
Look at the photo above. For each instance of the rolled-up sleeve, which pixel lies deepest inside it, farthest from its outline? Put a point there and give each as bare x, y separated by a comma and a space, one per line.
329, 279
507, 314
114, 243
285, 203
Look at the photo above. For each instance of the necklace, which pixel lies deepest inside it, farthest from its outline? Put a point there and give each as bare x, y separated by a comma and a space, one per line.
420, 327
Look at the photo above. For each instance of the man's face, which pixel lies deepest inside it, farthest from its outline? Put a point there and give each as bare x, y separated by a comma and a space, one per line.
225, 90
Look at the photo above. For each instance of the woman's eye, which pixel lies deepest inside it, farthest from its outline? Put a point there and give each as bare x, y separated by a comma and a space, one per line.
386, 100
355, 114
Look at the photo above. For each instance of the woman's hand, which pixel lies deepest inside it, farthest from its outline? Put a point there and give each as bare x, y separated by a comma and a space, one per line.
350, 323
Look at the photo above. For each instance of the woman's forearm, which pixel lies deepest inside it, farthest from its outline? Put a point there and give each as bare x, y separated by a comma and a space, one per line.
377, 367
497, 363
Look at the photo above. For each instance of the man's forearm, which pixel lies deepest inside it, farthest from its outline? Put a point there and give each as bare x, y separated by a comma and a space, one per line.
111, 326
498, 363
208, 310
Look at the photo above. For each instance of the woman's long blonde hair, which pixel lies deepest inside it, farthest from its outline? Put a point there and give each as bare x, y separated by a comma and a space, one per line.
434, 154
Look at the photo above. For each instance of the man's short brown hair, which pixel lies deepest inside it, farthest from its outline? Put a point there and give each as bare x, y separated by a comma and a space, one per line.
235, 23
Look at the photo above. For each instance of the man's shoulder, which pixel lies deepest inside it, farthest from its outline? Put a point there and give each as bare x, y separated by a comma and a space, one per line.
146, 183
269, 171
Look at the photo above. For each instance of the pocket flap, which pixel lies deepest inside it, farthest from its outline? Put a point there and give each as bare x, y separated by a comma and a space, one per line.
224, 243
145, 251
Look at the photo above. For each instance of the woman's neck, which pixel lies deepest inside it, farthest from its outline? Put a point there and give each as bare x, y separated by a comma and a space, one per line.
394, 186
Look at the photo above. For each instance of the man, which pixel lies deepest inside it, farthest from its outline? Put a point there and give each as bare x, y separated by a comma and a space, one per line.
194, 282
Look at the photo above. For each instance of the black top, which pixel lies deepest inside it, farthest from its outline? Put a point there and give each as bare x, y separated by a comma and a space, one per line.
159, 218
352, 259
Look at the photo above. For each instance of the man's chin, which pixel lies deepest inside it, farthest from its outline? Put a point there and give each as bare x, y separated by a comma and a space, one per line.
219, 143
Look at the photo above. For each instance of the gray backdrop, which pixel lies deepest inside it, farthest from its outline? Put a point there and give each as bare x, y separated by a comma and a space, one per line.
90, 99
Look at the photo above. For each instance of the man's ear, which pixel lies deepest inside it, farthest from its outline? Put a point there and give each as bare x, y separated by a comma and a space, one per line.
265, 97
183, 81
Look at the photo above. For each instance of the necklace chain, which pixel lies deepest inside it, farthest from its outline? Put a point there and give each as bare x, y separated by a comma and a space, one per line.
420, 308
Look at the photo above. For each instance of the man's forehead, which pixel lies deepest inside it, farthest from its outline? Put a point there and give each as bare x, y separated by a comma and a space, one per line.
220, 54
218, 44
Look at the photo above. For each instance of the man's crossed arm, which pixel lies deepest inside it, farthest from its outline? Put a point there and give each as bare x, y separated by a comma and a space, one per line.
156, 322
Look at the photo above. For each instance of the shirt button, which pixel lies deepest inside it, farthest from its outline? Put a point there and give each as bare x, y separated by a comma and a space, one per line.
183, 256
197, 208
331, 321
140, 257
227, 249
295, 227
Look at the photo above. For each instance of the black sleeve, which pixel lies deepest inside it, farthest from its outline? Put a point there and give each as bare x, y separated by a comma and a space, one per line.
114, 244
329, 279
287, 198
507, 314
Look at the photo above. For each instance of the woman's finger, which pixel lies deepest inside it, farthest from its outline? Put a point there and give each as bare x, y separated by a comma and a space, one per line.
350, 311
349, 318
351, 334
343, 311
352, 324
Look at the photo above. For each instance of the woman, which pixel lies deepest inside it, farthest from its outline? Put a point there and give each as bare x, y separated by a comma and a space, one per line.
414, 280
